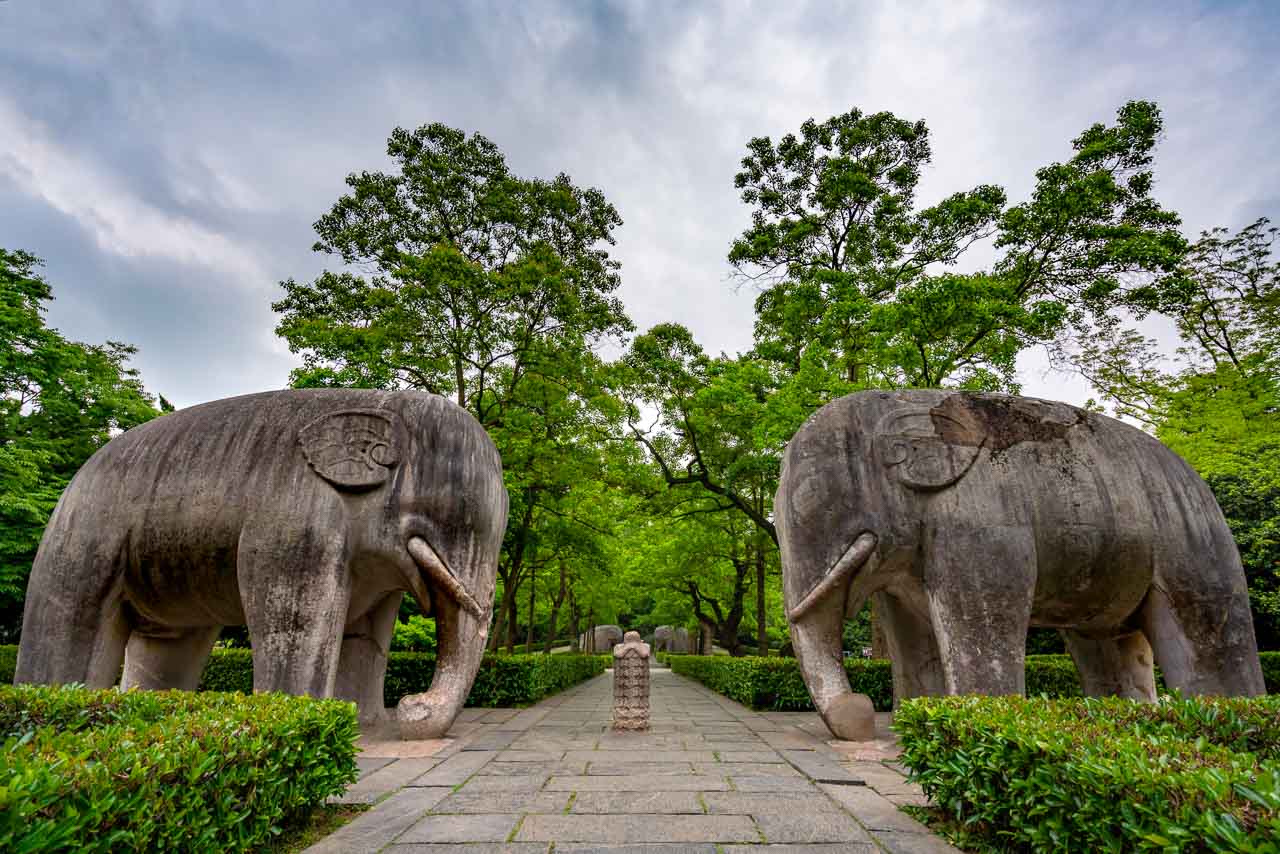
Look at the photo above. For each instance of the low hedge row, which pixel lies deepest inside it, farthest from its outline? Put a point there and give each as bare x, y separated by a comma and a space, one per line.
775, 684
105, 771
503, 680
1101, 774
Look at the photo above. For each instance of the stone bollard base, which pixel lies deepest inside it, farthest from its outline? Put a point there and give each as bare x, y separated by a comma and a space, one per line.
631, 684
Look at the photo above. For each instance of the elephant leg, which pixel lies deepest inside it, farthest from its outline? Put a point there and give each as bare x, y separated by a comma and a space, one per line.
980, 584
75, 622
1203, 640
362, 664
1113, 667
295, 588
167, 659
913, 652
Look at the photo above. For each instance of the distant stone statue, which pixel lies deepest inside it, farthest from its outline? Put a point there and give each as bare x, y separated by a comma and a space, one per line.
302, 514
970, 517
667, 639
680, 641
631, 683
604, 637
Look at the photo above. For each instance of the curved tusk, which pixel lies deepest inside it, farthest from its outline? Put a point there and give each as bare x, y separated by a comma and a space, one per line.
854, 557
440, 576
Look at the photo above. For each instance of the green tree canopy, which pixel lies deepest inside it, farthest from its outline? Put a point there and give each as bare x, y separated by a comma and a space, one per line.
851, 271
465, 280
60, 401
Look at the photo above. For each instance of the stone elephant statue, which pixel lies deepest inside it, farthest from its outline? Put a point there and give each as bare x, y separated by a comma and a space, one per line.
662, 639
305, 515
603, 638
680, 640
970, 517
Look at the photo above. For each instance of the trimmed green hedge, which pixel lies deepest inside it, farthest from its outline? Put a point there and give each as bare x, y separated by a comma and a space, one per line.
775, 684
105, 771
1101, 774
503, 680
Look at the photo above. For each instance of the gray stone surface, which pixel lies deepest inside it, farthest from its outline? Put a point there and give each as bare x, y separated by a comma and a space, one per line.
306, 514
640, 805
968, 517
601, 639
655, 848
471, 801
374, 829
810, 827
618, 802
631, 684
638, 828
456, 769
480, 827
470, 848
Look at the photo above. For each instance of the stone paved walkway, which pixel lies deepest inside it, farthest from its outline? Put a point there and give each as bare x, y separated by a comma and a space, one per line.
711, 775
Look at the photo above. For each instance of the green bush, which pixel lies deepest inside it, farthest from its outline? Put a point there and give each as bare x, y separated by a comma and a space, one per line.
775, 684
228, 670
418, 634
104, 771
1101, 774
503, 680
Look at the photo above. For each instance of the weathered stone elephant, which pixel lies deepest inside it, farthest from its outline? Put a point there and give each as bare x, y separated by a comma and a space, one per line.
970, 517
603, 638
304, 515
662, 637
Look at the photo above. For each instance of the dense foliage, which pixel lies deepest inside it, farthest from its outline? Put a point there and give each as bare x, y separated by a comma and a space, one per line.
503, 680
776, 684
60, 401
106, 771
1195, 774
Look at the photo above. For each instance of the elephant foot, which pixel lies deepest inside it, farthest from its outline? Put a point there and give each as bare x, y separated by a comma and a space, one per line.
851, 717
419, 718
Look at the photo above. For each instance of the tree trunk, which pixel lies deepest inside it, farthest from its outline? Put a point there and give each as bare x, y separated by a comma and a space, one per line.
513, 624
574, 622
533, 589
762, 636
500, 621
555, 611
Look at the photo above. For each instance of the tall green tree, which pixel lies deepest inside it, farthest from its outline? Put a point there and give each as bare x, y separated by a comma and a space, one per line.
465, 280
853, 275
60, 401
1216, 399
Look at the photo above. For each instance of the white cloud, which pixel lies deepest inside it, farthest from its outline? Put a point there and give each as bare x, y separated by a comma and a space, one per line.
121, 222
244, 120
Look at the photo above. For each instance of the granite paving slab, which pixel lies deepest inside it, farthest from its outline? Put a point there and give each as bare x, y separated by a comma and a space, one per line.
709, 776
638, 828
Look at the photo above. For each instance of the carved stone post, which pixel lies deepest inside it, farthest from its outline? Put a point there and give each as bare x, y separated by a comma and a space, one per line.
631, 683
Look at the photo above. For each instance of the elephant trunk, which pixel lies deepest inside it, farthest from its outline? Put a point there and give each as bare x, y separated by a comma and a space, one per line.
460, 644
817, 634
462, 627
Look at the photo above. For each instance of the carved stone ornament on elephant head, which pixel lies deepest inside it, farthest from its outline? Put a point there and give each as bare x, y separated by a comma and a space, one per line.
970, 517
305, 515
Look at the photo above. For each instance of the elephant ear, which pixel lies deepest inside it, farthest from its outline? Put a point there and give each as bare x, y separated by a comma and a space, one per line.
354, 449
928, 450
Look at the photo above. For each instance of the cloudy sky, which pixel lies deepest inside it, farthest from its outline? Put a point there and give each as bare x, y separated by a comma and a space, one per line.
167, 159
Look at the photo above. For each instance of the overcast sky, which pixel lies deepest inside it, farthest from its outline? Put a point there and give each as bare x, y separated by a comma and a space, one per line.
167, 159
